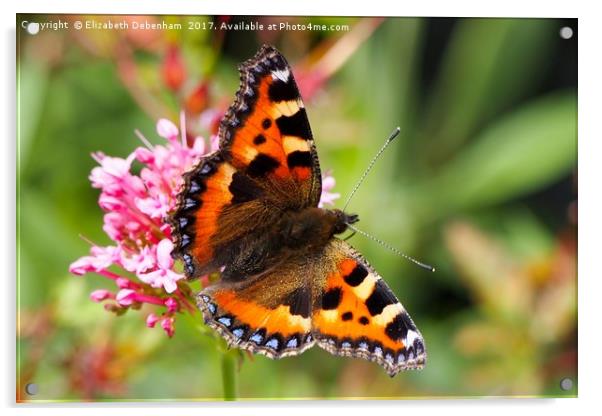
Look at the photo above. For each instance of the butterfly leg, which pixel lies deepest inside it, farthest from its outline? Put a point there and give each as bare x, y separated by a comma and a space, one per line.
349, 236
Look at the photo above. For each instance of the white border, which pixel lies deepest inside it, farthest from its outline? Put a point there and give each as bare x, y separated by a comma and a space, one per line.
507, 8
590, 207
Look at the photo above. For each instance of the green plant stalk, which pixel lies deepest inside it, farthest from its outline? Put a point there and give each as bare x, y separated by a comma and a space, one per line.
229, 382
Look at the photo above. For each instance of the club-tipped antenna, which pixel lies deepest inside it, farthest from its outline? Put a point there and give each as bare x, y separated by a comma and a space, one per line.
391, 248
393, 135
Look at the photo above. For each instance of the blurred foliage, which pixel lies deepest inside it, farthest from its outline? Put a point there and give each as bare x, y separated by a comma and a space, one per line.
481, 183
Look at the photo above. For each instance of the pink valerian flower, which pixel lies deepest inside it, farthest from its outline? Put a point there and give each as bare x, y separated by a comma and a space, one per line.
328, 197
100, 295
162, 275
167, 129
151, 320
167, 325
136, 210
100, 259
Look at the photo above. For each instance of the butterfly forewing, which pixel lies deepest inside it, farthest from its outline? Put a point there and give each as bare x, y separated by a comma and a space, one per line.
266, 163
267, 134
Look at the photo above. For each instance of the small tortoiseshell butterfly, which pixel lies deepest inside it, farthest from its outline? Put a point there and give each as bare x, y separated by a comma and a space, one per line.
250, 209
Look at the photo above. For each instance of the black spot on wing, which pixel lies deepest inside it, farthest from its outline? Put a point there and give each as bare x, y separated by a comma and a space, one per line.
262, 165
295, 125
381, 297
397, 328
266, 123
283, 91
357, 275
331, 299
347, 316
363, 320
299, 158
243, 189
408, 321
259, 139
299, 302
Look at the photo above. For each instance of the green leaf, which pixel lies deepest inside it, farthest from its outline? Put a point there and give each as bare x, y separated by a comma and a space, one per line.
489, 64
524, 151
32, 82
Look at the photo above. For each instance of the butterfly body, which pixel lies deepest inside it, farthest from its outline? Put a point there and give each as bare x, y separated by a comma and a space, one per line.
311, 229
250, 210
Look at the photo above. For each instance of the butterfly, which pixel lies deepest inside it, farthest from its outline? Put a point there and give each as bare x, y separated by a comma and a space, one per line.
250, 210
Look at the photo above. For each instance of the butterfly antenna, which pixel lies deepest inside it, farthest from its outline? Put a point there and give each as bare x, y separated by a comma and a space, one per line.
391, 248
393, 135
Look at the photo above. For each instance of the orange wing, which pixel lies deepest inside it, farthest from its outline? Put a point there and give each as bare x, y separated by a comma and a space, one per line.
266, 133
332, 298
358, 315
267, 314
266, 163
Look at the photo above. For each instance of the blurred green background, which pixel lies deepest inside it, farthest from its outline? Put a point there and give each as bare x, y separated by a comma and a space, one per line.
481, 183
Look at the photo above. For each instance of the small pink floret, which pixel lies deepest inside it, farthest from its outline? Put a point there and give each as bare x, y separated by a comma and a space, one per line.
100, 295
151, 320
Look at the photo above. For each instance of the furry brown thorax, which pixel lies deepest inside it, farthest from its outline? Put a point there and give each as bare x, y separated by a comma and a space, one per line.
312, 227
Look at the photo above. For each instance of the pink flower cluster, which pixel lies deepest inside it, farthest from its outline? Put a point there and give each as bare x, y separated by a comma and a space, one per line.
136, 210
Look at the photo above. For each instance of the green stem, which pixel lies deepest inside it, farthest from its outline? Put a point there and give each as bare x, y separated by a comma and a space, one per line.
229, 359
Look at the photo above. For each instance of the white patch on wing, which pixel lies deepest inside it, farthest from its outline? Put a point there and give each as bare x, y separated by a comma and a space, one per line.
293, 143
281, 74
410, 337
284, 312
364, 290
249, 153
286, 108
330, 315
304, 323
388, 313
227, 170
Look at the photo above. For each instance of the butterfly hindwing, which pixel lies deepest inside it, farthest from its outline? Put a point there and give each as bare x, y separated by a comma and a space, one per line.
267, 314
358, 315
332, 298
